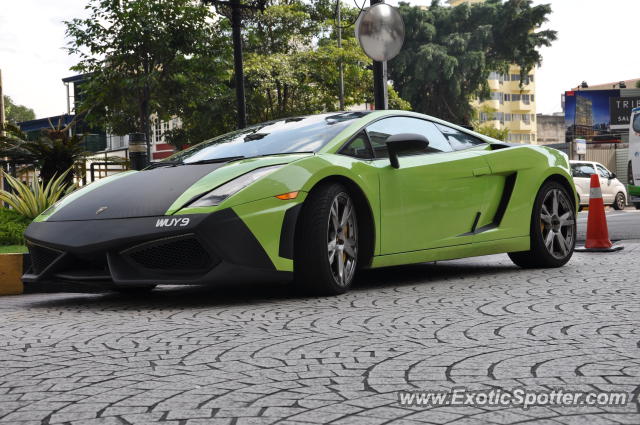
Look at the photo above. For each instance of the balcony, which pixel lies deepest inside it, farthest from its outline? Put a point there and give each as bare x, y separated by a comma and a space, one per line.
494, 85
519, 126
490, 103
521, 106
514, 87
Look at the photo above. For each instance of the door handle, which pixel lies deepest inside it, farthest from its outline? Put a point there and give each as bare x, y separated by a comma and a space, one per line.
482, 171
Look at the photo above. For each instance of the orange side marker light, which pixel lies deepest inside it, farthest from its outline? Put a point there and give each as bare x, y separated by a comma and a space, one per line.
287, 196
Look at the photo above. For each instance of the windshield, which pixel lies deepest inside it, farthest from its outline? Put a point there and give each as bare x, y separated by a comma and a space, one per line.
287, 135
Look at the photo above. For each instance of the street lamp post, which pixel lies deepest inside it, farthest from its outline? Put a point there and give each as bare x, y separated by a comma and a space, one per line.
236, 32
380, 92
236, 25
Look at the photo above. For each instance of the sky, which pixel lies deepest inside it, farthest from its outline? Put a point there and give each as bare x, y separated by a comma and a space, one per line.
594, 45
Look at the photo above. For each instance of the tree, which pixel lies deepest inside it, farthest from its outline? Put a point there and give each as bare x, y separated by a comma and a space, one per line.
147, 57
291, 58
54, 152
16, 113
487, 129
450, 51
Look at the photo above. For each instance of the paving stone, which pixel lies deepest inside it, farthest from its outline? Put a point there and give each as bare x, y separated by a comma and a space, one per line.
257, 354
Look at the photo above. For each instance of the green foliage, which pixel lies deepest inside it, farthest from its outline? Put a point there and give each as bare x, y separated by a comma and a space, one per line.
12, 249
147, 57
491, 131
488, 129
638, 84
175, 58
16, 113
450, 51
53, 152
12, 227
31, 200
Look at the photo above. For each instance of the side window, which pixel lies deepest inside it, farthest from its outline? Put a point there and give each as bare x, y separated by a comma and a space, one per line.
379, 131
636, 123
582, 170
459, 140
358, 147
602, 171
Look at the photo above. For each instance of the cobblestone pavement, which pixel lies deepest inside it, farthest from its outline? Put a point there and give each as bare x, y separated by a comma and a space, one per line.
257, 355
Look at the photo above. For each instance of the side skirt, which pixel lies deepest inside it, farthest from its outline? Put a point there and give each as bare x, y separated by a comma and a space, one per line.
521, 243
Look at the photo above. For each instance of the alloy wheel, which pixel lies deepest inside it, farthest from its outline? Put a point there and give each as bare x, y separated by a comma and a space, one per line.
342, 239
557, 222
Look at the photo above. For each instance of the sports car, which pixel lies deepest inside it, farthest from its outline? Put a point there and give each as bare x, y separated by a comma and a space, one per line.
312, 199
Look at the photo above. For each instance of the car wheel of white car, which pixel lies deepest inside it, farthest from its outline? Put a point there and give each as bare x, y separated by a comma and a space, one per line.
620, 202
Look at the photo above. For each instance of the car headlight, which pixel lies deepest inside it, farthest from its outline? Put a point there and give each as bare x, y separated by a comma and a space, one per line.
219, 194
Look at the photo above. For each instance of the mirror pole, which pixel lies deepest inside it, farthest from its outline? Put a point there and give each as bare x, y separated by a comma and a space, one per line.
380, 93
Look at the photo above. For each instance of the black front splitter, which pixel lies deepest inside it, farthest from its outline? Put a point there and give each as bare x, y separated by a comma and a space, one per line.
235, 254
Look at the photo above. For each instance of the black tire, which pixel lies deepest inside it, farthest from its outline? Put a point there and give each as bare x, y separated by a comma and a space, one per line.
554, 228
315, 271
620, 202
134, 290
637, 205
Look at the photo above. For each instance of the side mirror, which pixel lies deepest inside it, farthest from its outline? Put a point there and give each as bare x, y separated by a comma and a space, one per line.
405, 143
612, 176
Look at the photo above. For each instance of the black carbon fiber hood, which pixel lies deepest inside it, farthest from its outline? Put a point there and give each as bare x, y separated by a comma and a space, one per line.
142, 194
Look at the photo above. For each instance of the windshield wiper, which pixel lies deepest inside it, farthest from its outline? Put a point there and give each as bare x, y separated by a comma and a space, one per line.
158, 164
213, 160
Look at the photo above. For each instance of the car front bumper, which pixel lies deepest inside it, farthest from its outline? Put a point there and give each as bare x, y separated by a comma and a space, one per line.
185, 249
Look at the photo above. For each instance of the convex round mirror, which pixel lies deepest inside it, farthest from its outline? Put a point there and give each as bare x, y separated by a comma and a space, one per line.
380, 31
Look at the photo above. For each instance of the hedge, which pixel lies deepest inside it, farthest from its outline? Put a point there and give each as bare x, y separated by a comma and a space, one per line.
12, 227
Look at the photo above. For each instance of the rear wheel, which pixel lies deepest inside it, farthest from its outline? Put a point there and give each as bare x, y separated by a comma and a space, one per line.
553, 229
637, 205
326, 241
620, 202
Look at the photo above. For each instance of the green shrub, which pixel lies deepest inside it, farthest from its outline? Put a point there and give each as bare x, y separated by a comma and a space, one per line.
31, 200
12, 227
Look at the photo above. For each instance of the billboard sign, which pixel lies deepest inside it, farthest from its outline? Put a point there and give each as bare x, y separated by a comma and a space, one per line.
620, 110
587, 113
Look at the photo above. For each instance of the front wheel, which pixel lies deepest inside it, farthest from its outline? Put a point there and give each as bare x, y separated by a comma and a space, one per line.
326, 241
553, 229
620, 202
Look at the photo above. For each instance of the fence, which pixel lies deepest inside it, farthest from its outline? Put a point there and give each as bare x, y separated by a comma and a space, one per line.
614, 156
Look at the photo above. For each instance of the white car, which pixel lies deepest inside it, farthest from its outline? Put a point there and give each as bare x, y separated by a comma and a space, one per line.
614, 193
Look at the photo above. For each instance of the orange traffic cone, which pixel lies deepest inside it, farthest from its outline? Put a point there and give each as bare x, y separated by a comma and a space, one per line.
597, 230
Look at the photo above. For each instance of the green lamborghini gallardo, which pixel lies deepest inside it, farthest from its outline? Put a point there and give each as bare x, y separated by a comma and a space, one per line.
314, 199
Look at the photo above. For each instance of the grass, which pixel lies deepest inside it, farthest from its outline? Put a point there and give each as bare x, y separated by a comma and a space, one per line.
13, 249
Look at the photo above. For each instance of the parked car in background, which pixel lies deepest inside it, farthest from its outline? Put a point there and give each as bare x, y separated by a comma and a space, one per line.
614, 193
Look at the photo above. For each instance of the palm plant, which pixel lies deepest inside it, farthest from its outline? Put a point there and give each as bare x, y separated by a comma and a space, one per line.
30, 200
53, 152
